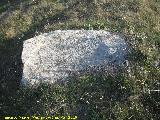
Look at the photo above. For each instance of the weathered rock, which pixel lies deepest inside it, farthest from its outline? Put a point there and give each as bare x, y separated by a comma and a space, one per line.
52, 56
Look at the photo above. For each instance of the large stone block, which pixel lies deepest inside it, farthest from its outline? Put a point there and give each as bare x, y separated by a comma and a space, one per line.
52, 56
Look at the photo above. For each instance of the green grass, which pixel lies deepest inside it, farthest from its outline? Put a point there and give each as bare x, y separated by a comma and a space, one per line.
103, 96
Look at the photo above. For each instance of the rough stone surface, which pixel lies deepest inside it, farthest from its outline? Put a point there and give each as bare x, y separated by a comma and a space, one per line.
52, 56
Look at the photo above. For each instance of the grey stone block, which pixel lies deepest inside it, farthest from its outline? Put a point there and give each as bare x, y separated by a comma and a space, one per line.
52, 56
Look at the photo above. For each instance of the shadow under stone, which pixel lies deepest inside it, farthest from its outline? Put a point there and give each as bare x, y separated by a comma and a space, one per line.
11, 67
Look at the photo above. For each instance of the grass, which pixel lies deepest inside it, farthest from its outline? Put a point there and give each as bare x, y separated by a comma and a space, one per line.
123, 96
